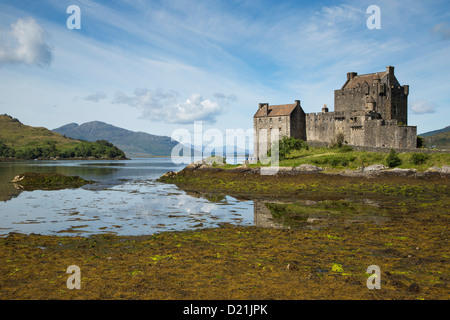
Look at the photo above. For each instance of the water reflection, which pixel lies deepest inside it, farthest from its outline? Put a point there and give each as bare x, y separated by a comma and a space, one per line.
135, 207
127, 200
308, 214
107, 173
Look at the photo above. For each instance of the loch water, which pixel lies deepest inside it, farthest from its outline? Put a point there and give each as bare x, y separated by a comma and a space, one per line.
126, 200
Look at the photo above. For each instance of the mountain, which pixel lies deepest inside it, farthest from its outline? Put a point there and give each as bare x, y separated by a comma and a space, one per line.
439, 141
438, 138
20, 141
132, 143
430, 133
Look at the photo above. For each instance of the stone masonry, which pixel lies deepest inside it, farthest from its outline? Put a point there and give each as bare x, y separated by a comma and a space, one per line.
371, 110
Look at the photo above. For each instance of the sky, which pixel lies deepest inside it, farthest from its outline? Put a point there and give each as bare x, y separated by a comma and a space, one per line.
159, 66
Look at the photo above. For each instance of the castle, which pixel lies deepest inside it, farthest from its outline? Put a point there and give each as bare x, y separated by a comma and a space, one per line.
370, 110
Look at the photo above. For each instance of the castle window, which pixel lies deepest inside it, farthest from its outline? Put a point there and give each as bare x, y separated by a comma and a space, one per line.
270, 120
279, 119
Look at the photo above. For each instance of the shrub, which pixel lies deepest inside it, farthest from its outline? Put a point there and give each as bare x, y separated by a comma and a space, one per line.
418, 158
393, 160
420, 142
345, 148
338, 142
288, 144
335, 162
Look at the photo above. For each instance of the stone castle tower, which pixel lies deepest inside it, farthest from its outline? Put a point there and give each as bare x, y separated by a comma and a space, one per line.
379, 92
369, 110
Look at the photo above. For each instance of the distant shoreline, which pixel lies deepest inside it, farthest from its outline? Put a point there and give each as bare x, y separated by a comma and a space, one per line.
62, 159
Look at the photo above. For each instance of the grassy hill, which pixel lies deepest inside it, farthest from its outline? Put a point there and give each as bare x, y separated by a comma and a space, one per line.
132, 143
430, 133
19, 141
439, 139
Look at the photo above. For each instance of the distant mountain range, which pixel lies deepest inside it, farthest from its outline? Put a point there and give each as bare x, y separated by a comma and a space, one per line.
430, 133
134, 144
437, 138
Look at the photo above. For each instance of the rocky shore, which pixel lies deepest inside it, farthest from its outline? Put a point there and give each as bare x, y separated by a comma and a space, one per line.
375, 170
47, 181
306, 181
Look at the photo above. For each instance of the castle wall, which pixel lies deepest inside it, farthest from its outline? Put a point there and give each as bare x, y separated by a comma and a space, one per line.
264, 126
353, 100
398, 102
297, 124
359, 130
370, 110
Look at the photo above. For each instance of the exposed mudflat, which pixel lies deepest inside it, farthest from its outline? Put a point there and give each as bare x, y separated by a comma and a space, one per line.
320, 249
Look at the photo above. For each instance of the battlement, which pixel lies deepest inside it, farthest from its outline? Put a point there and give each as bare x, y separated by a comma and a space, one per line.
370, 110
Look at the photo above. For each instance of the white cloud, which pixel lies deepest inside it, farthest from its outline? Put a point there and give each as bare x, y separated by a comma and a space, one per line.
343, 13
225, 99
423, 106
25, 43
165, 106
443, 30
95, 97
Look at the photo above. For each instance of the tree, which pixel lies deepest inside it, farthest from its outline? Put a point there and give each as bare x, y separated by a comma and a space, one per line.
287, 144
393, 160
420, 142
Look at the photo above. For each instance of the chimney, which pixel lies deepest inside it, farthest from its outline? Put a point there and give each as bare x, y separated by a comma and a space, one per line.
324, 109
390, 69
265, 107
406, 89
297, 103
351, 75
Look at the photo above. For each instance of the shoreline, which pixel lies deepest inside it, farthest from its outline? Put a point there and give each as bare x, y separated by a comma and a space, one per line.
248, 183
321, 259
62, 159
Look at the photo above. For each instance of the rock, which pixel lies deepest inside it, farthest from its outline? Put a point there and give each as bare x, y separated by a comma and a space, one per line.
169, 174
285, 169
218, 160
194, 165
292, 266
374, 167
308, 168
414, 288
444, 169
47, 181
256, 170
403, 171
18, 178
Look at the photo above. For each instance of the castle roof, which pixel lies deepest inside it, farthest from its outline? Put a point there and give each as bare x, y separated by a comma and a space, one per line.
359, 80
276, 111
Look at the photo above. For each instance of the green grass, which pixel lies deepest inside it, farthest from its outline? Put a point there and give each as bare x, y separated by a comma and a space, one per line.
334, 158
20, 141
440, 140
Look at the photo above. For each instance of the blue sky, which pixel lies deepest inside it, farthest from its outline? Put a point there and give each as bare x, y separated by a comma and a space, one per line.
157, 66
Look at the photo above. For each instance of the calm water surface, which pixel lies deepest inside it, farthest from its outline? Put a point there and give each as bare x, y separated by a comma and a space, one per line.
126, 200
